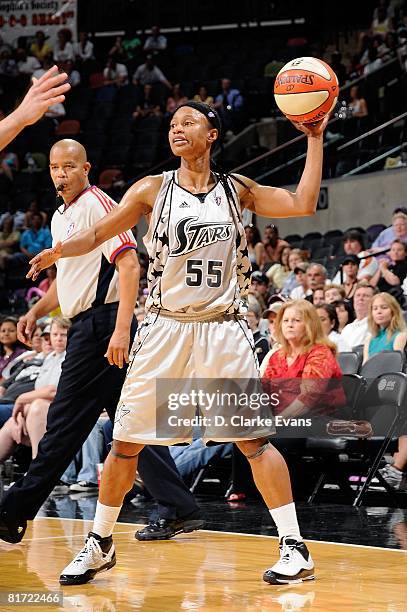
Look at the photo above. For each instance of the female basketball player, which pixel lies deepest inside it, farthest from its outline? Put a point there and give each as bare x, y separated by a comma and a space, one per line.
199, 272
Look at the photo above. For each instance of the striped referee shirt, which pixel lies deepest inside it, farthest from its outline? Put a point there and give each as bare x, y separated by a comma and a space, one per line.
91, 279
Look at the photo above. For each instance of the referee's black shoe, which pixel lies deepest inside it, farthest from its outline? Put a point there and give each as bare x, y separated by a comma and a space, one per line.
12, 528
164, 529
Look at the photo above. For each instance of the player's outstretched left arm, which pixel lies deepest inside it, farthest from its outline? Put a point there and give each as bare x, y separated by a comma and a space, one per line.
277, 202
134, 204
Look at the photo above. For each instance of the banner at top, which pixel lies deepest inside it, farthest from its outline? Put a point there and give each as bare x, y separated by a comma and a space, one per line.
26, 17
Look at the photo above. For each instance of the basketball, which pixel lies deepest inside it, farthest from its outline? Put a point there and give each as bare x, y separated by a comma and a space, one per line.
306, 90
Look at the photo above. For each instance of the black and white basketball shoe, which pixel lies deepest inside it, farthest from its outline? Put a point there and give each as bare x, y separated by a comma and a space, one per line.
98, 555
294, 566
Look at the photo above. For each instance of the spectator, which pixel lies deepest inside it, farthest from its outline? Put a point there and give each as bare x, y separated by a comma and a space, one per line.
381, 23
46, 65
229, 104
271, 315
395, 475
195, 456
74, 77
155, 42
271, 69
85, 479
175, 99
398, 229
9, 163
115, 73
149, 74
261, 346
390, 276
273, 244
402, 49
202, 96
357, 104
254, 246
131, 44
334, 293
148, 104
278, 273
350, 267
26, 64
9, 239
4, 46
391, 45
345, 313
28, 422
317, 276
23, 375
10, 347
378, 45
318, 296
46, 283
35, 239
118, 50
330, 325
40, 48
64, 49
259, 288
8, 66
295, 257
84, 48
35, 293
353, 245
355, 333
302, 288
386, 325
305, 353
32, 209
374, 62
27, 355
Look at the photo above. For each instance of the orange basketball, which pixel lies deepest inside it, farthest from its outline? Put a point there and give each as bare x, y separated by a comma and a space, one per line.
306, 89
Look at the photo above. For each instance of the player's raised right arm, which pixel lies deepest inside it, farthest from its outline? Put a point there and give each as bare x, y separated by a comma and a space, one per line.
45, 91
134, 204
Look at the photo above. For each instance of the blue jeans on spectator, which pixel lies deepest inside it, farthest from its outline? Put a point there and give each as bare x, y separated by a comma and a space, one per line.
92, 453
195, 456
5, 413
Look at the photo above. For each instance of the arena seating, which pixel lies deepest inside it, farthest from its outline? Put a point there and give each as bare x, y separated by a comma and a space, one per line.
376, 392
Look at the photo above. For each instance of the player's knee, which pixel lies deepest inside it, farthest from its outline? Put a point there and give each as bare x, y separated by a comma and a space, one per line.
125, 450
253, 448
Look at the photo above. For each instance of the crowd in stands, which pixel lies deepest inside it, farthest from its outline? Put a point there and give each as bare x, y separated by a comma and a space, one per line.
353, 296
123, 93
310, 298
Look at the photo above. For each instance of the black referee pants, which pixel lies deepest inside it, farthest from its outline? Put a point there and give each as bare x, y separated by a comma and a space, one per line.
87, 386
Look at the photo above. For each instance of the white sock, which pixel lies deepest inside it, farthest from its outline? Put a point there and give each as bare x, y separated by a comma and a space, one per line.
105, 519
285, 518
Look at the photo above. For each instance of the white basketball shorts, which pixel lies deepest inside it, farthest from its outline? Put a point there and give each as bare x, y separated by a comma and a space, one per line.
173, 352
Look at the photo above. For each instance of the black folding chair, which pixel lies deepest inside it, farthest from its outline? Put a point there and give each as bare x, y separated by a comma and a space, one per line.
327, 450
349, 362
386, 417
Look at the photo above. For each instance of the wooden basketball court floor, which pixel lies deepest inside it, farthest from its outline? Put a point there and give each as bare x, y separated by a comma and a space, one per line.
205, 571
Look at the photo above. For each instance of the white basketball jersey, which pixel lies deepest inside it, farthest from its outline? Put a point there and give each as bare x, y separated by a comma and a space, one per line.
197, 250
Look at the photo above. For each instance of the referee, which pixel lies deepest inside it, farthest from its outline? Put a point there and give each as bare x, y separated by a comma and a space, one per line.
87, 288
